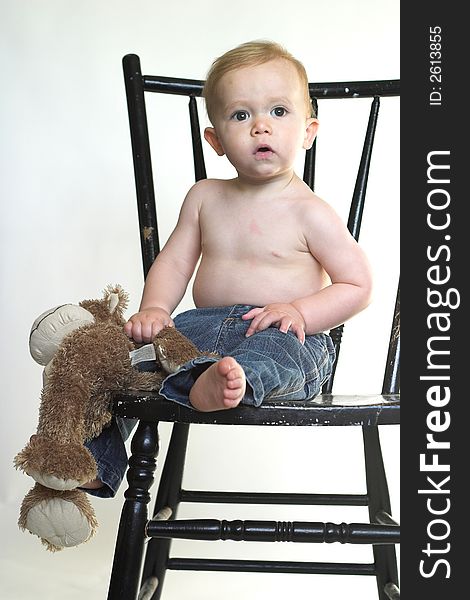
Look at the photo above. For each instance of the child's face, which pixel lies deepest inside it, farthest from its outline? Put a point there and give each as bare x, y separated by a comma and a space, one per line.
261, 120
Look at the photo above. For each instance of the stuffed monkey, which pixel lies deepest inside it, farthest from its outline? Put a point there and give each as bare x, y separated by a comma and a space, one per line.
87, 356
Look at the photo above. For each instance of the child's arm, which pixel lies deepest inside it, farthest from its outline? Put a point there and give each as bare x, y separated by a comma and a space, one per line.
169, 275
344, 261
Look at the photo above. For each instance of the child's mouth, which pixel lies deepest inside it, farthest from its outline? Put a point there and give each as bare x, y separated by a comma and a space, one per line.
263, 151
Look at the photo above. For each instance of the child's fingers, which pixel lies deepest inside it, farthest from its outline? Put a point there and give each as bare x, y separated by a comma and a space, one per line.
134, 330
252, 313
128, 328
264, 319
299, 332
287, 323
259, 323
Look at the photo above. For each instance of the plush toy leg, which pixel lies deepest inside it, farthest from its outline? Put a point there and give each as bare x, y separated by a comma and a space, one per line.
55, 465
59, 519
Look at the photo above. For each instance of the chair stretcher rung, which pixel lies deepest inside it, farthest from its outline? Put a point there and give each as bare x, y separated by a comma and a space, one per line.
260, 566
274, 531
273, 498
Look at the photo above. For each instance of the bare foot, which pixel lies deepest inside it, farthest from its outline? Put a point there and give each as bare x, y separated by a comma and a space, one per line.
221, 386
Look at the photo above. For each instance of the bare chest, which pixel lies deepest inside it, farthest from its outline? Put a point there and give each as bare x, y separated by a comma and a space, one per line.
235, 233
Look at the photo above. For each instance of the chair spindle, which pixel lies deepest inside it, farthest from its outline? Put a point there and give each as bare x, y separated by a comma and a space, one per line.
150, 245
391, 383
355, 216
198, 154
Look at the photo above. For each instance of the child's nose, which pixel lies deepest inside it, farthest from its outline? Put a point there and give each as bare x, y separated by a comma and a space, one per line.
261, 125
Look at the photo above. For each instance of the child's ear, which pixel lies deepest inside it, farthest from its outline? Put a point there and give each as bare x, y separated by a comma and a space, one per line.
310, 133
212, 138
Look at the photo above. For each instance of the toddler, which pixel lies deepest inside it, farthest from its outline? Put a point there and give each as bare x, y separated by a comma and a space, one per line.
276, 266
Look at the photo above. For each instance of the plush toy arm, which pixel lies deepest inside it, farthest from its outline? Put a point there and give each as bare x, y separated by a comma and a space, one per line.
173, 349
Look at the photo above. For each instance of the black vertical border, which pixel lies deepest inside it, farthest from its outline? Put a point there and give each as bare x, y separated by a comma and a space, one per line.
433, 548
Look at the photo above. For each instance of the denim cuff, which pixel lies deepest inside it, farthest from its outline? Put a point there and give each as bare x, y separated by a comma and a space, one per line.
111, 457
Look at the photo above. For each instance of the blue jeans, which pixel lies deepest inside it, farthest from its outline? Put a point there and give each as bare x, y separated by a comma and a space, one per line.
276, 365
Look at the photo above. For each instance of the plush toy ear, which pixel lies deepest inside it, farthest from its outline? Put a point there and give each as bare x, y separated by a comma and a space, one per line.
51, 327
117, 299
113, 302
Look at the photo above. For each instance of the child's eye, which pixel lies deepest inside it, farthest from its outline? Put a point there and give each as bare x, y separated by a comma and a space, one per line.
240, 115
279, 111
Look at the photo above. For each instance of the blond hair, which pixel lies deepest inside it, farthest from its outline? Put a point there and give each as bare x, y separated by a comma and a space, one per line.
250, 54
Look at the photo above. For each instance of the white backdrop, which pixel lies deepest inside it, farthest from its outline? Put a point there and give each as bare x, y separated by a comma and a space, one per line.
69, 227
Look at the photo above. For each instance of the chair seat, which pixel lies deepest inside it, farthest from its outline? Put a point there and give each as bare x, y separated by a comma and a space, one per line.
324, 409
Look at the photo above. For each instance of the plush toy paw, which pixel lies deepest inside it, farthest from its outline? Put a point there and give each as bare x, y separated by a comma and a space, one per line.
173, 349
55, 465
59, 519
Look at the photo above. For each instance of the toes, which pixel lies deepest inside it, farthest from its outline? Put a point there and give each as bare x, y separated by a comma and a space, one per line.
232, 394
225, 366
222, 385
234, 373
231, 403
235, 383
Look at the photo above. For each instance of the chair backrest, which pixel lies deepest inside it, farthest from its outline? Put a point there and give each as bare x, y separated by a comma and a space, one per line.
136, 86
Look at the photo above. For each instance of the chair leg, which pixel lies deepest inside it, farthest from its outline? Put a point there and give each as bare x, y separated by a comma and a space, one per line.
129, 550
379, 504
166, 506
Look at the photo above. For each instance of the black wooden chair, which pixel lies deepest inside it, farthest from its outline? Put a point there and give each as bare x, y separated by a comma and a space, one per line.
368, 412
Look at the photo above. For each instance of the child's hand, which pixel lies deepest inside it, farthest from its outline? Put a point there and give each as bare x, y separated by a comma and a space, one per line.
283, 316
144, 325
